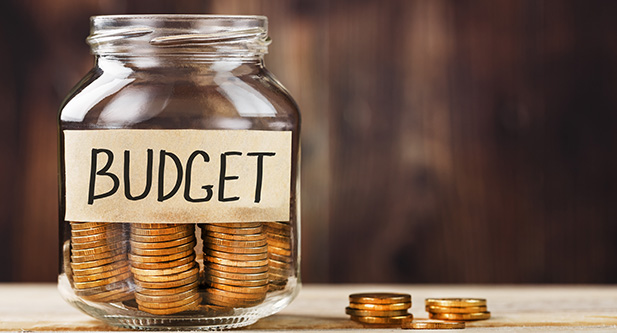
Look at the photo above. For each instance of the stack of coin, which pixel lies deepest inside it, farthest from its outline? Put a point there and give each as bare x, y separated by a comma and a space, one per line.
432, 325
280, 261
384, 309
163, 264
457, 309
235, 264
99, 265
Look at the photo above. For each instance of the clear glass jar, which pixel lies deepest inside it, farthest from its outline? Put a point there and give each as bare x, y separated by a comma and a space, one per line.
179, 176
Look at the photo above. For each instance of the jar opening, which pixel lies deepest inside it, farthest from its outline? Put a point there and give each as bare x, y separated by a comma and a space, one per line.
204, 35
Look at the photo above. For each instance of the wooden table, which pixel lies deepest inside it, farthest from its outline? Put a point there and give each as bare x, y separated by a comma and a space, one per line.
38, 307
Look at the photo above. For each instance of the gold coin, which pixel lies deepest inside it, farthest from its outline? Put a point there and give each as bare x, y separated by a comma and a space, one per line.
91, 238
232, 230
98, 250
187, 307
455, 302
100, 276
232, 269
235, 296
164, 271
157, 225
280, 272
240, 290
160, 231
101, 262
109, 294
101, 269
275, 243
157, 259
209, 271
235, 256
379, 298
91, 231
451, 309
163, 252
161, 238
370, 313
167, 278
237, 250
278, 257
163, 264
166, 291
87, 225
235, 224
278, 250
382, 320
236, 237
167, 298
432, 325
166, 305
96, 243
120, 285
286, 239
167, 284
225, 299
278, 264
99, 256
277, 225
460, 316
163, 244
237, 263
380, 307
97, 283
230, 243
237, 283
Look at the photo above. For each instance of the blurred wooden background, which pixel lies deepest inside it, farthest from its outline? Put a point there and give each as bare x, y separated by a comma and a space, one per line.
443, 141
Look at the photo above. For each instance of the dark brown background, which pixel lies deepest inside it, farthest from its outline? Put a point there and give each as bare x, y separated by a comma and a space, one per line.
443, 141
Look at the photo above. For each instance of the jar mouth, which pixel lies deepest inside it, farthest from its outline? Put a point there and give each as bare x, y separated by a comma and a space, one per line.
207, 35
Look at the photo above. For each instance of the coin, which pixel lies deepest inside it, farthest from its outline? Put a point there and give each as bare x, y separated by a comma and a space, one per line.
190, 306
382, 320
237, 263
236, 237
278, 257
100, 269
156, 225
371, 313
233, 269
277, 250
170, 257
162, 238
166, 291
96, 243
123, 285
432, 325
236, 276
106, 295
236, 256
226, 300
167, 278
163, 244
230, 243
236, 230
91, 231
163, 252
168, 304
98, 256
451, 309
460, 316
165, 271
279, 244
164, 264
98, 250
380, 307
175, 297
379, 298
238, 250
97, 283
100, 276
99, 262
91, 238
236, 296
238, 283
168, 284
235, 224
86, 225
160, 231
455, 302
242, 289
278, 264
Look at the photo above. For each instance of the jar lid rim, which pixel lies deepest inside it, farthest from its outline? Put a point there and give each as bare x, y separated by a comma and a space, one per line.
177, 17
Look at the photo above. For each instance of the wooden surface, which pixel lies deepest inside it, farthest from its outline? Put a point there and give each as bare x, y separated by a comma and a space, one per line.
38, 307
444, 141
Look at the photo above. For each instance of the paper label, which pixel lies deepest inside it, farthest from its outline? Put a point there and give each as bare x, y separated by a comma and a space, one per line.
177, 176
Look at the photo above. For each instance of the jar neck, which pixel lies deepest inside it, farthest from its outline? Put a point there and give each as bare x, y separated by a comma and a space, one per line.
179, 38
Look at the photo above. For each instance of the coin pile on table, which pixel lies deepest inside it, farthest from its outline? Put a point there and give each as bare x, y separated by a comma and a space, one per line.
162, 260
235, 264
99, 265
457, 309
384, 309
279, 254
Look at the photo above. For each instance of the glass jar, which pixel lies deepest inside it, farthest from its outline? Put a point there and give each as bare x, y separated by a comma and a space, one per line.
179, 176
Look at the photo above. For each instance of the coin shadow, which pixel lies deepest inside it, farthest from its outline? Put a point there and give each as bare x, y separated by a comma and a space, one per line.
303, 322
